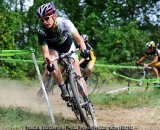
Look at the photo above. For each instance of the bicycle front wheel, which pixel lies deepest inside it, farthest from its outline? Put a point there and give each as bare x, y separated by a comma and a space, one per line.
92, 82
78, 100
136, 83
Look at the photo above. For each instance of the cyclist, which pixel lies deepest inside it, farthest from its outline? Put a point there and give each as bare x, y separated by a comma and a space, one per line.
88, 63
155, 63
56, 34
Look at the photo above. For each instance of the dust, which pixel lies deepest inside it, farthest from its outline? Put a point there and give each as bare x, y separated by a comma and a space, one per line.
17, 94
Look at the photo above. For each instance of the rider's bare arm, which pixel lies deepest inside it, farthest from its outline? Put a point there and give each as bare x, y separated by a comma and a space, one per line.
81, 61
45, 52
141, 59
79, 41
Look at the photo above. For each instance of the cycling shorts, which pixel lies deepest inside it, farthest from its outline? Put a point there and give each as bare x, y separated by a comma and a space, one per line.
93, 58
157, 65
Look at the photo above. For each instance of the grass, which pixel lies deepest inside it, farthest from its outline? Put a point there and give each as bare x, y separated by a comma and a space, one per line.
20, 118
125, 100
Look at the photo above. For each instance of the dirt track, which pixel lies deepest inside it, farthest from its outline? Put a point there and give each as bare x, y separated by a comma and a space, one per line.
14, 93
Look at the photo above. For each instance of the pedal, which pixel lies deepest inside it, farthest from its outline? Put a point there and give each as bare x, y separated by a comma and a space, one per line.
68, 104
84, 105
66, 99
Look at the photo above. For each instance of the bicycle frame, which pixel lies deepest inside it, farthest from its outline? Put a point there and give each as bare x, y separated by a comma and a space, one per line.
146, 71
140, 76
67, 62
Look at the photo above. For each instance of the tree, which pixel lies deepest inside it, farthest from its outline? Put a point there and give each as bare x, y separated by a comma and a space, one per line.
10, 24
119, 45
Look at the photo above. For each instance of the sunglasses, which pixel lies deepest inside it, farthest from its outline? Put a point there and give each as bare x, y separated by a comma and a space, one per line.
45, 19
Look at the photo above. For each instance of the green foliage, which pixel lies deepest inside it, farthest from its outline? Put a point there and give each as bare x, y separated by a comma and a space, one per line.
19, 69
117, 30
120, 44
10, 24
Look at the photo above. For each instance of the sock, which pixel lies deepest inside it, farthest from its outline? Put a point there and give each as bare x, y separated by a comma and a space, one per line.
85, 78
61, 86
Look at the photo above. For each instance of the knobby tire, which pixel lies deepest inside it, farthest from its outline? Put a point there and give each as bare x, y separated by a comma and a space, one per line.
92, 82
74, 88
135, 86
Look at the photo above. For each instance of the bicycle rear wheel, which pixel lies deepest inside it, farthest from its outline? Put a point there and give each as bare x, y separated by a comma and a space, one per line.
48, 84
139, 85
92, 82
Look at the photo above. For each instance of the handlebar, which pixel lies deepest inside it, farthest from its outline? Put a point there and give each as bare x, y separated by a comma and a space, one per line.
50, 66
149, 67
65, 55
61, 56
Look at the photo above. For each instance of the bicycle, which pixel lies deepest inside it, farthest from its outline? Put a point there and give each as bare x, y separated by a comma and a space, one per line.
92, 82
77, 100
49, 85
137, 83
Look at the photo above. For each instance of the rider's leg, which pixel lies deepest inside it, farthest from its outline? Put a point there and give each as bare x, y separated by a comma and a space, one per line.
45, 73
89, 70
155, 68
90, 66
156, 72
57, 75
77, 68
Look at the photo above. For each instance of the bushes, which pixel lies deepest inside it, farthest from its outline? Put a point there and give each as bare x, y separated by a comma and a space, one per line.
120, 44
18, 69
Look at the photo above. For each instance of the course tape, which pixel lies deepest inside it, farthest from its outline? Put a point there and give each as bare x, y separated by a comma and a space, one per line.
116, 66
99, 65
137, 80
19, 51
5, 53
14, 51
19, 60
13, 54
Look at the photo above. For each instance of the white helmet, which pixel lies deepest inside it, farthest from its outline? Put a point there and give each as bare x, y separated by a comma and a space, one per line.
151, 44
85, 37
46, 9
